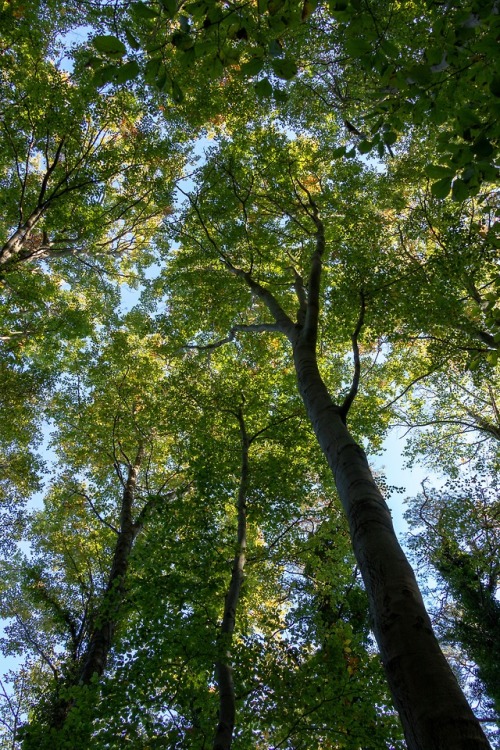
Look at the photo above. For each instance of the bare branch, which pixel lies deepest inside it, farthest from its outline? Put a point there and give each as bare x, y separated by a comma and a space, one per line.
271, 425
408, 387
95, 511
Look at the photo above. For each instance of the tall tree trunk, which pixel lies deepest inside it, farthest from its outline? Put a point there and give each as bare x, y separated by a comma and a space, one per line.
433, 710
95, 657
223, 669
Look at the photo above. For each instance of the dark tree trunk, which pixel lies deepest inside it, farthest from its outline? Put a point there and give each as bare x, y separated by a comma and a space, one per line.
102, 637
223, 669
95, 657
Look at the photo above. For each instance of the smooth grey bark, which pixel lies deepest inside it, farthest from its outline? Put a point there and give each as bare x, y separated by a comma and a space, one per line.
223, 669
433, 709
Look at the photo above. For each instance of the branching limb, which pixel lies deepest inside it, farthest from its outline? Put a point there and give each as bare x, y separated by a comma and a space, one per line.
346, 405
494, 404
300, 291
310, 330
408, 387
250, 328
36, 646
153, 501
269, 426
95, 511
283, 322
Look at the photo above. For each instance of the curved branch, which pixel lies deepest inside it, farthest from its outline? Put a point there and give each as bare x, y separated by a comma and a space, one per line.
283, 322
408, 387
95, 511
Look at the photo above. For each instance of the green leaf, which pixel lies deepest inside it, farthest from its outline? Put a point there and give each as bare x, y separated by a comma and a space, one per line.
263, 88
340, 9
109, 45
151, 69
141, 10
285, 68
170, 7
105, 75
177, 93
132, 40
94, 62
252, 67
390, 137
275, 48
274, 6
280, 96
390, 49
441, 188
437, 171
365, 146
357, 47
460, 190
162, 78
495, 86
482, 147
127, 72
420, 74
468, 118
182, 41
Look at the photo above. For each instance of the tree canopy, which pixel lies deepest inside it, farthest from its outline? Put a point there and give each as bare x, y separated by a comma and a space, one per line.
240, 244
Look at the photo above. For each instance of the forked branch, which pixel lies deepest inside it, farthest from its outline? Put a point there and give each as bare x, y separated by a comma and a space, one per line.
346, 405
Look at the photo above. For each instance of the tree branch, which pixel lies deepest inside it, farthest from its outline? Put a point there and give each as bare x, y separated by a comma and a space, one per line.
95, 511
408, 387
283, 323
250, 328
347, 403
300, 291
310, 329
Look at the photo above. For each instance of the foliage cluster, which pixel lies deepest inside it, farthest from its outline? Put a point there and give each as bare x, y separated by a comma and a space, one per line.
203, 203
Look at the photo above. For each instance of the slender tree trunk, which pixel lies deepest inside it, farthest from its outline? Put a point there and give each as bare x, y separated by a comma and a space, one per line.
95, 657
433, 710
102, 637
223, 669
